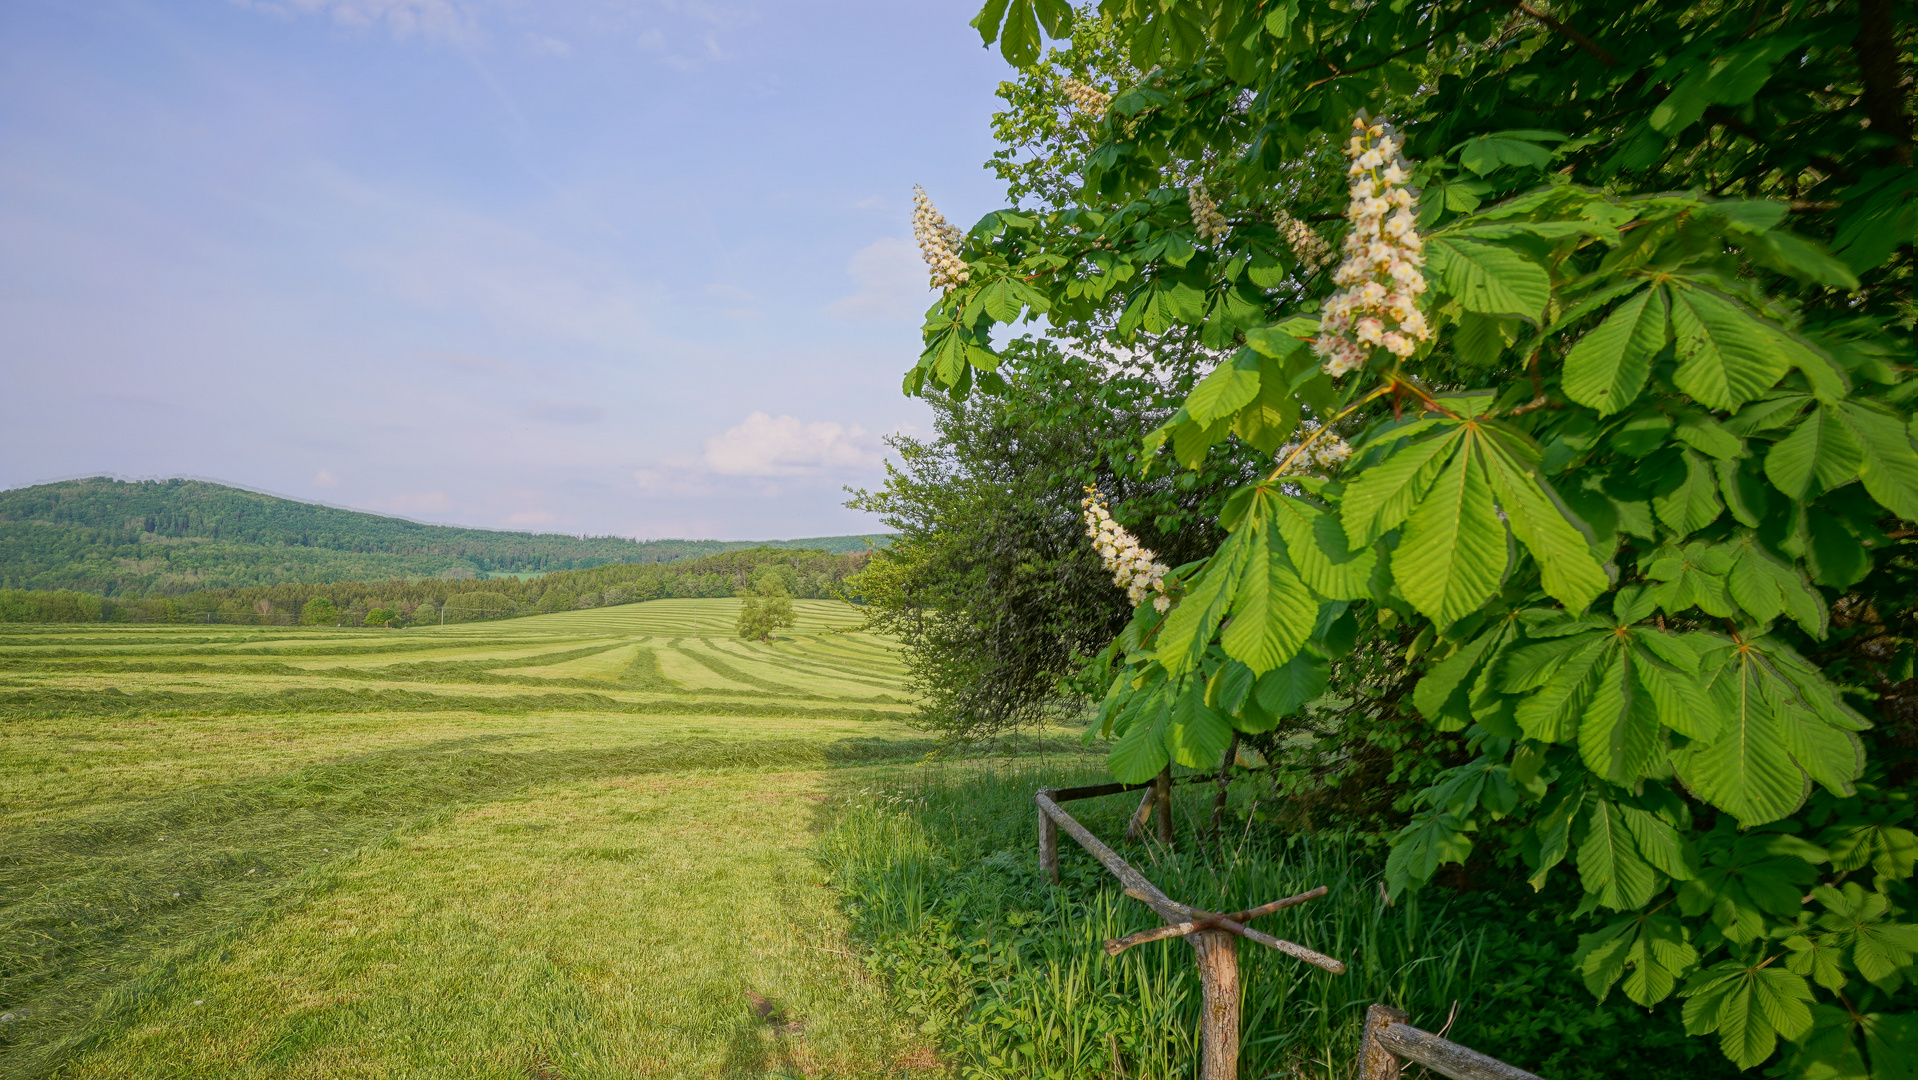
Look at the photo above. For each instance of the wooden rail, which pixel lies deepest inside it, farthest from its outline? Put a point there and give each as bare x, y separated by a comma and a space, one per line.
1389, 1042
1213, 936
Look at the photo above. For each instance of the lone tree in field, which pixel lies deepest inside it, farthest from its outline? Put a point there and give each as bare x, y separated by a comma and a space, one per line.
319, 611
768, 607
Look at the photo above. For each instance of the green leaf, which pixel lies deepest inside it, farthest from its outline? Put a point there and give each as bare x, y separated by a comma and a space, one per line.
1379, 500
1609, 864
1272, 610
1435, 688
1019, 35
1606, 369
1890, 851
1480, 339
1890, 466
1748, 772
1659, 841
1767, 587
1190, 626
1553, 833
1652, 948
1823, 447
1275, 341
1489, 153
1727, 355
1749, 1006
1689, 502
1744, 493
1880, 949
1491, 279
1694, 576
1540, 521
1553, 714
1892, 1041
1316, 542
988, 20
1140, 752
1418, 850
1618, 732
1284, 689
1198, 734
1454, 552
1228, 387
1709, 437
1816, 957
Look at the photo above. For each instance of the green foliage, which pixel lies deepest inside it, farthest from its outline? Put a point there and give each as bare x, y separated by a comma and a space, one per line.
1640, 505
813, 575
768, 606
172, 537
318, 611
938, 874
990, 583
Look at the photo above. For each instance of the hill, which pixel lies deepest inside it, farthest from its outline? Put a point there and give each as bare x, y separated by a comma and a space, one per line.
172, 537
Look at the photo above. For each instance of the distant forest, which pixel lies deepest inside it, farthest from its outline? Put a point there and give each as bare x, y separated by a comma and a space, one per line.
172, 538
805, 574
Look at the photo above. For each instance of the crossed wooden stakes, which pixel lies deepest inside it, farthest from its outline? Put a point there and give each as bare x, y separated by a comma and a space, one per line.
1212, 935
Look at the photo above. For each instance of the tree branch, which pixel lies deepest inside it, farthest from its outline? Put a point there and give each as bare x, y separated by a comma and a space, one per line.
1599, 52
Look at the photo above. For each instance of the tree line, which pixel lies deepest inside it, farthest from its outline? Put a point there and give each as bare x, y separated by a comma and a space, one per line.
807, 574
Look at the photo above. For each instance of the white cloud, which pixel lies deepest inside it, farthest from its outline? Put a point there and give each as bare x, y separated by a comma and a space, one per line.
548, 46
785, 446
325, 478
891, 279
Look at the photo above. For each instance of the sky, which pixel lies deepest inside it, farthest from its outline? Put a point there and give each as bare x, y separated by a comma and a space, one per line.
619, 267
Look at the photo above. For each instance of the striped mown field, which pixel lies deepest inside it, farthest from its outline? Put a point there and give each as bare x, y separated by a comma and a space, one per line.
568, 845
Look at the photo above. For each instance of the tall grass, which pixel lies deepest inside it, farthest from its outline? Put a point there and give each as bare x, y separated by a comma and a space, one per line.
939, 872
942, 879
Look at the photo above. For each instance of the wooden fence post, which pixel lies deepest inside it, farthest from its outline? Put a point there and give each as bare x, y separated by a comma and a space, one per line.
1049, 846
1375, 1061
1218, 956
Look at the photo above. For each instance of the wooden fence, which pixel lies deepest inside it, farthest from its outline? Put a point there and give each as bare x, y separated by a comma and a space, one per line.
1387, 1042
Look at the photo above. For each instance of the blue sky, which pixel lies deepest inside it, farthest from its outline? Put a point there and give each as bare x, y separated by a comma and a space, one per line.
641, 268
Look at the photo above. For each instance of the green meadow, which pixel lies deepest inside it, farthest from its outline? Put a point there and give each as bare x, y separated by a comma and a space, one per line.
573, 845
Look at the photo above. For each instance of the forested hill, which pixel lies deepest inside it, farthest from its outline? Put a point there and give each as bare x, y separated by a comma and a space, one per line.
171, 537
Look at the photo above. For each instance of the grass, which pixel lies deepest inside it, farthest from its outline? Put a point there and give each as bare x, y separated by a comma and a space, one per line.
939, 872
624, 843
515, 849
943, 885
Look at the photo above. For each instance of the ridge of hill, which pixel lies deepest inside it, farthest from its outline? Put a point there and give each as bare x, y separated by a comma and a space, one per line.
171, 537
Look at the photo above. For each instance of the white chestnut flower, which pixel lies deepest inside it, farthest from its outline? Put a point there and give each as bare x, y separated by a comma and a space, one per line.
939, 243
1135, 568
1206, 219
1087, 100
1381, 276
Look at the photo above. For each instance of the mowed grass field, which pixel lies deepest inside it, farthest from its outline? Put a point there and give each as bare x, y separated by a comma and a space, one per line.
570, 845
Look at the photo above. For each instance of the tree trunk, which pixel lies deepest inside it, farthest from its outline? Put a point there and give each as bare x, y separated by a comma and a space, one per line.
1218, 956
1218, 801
1163, 785
1877, 49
